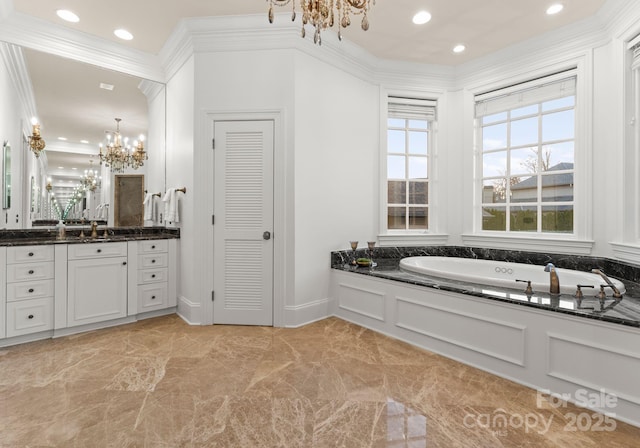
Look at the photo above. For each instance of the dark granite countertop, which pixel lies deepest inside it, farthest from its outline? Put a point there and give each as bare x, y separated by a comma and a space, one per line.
625, 311
31, 237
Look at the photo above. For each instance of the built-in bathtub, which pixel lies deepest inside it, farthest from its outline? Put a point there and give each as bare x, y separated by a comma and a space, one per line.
504, 274
553, 343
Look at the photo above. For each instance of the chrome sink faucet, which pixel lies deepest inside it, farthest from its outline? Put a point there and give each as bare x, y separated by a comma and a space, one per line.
554, 281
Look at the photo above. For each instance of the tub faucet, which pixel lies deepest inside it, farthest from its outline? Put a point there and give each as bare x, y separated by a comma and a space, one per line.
616, 291
554, 281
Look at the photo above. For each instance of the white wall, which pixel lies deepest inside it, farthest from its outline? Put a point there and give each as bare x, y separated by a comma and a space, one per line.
336, 169
234, 84
180, 153
331, 130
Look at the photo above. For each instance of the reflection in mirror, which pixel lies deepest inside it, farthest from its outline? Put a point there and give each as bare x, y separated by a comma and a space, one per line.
76, 104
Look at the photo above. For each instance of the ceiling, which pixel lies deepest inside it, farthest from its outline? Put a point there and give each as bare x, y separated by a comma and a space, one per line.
70, 105
483, 26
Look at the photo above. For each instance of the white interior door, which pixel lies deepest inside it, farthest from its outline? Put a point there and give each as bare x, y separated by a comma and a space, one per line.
243, 223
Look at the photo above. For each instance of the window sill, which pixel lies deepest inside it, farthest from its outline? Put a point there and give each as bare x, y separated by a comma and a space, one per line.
412, 239
532, 243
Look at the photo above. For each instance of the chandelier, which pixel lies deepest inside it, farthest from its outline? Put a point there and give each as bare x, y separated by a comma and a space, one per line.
322, 14
139, 155
90, 178
116, 156
119, 155
36, 143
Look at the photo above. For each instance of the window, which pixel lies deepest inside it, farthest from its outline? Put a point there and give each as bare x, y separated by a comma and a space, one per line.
526, 148
409, 129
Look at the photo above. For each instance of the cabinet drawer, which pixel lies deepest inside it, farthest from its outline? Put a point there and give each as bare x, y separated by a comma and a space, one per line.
151, 297
29, 316
153, 246
25, 254
97, 250
152, 275
29, 271
152, 261
29, 290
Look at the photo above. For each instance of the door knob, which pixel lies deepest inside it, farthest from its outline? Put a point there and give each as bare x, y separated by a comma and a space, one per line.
266, 235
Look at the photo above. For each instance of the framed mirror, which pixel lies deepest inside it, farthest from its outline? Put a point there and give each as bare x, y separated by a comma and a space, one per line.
6, 175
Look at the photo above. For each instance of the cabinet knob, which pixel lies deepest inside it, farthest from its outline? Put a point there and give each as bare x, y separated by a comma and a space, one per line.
30, 271
153, 247
153, 297
153, 275
124, 263
99, 250
153, 261
30, 316
31, 254
30, 289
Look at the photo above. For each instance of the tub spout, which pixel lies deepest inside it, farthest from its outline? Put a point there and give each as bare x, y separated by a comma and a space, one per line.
616, 291
554, 281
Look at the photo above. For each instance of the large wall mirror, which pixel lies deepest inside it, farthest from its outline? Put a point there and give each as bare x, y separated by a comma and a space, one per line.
77, 105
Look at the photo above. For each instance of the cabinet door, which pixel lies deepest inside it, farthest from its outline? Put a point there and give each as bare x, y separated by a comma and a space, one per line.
97, 290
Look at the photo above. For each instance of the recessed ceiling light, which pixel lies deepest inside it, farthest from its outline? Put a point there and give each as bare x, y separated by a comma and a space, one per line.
84, 141
421, 18
459, 48
67, 15
555, 8
105, 86
62, 138
60, 167
123, 34
74, 168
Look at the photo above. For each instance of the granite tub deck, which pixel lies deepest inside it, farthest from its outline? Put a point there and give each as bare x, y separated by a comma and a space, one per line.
625, 311
31, 237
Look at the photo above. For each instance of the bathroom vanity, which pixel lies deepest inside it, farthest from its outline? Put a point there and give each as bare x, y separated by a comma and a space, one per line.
55, 287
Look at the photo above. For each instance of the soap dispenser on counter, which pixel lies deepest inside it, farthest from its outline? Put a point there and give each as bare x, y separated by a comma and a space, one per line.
62, 231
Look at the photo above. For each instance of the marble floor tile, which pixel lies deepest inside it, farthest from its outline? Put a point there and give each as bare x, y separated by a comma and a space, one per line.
163, 383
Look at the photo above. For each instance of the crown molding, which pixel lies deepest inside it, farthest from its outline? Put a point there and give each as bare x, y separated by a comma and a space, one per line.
550, 48
19, 75
150, 89
254, 33
621, 18
37, 34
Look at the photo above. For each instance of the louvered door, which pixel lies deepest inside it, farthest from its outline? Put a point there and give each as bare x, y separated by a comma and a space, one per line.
243, 248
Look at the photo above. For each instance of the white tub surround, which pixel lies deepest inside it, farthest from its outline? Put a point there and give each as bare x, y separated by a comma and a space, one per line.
552, 352
574, 348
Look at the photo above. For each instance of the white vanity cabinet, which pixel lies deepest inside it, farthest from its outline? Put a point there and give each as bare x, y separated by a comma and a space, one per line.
59, 289
29, 289
153, 268
97, 282
152, 275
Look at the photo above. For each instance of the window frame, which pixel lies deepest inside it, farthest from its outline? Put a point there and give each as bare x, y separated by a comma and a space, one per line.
394, 237
581, 241
502, 105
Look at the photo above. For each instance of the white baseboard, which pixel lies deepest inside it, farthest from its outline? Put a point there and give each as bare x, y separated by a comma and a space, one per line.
189, 311
306, 313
